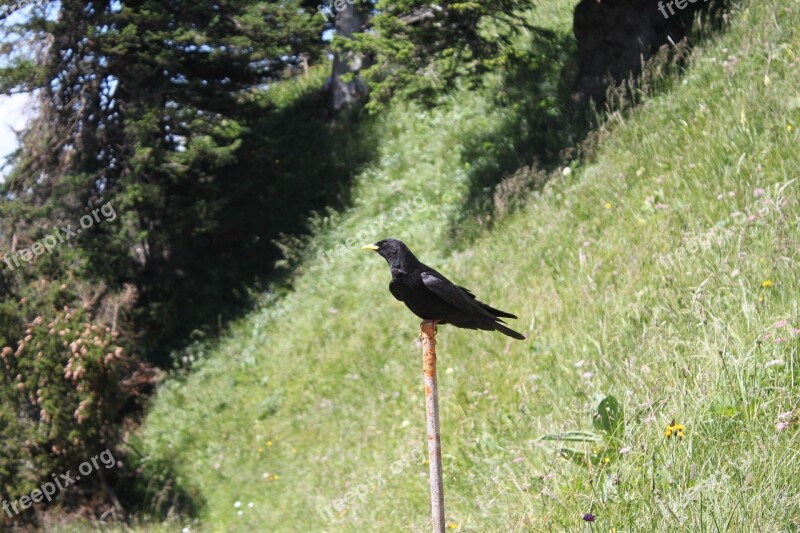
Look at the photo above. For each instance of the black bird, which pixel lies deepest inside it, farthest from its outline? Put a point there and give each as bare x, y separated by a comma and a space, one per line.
431, 296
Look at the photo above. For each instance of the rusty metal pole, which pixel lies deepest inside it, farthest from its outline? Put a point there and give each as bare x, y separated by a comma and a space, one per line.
427, 334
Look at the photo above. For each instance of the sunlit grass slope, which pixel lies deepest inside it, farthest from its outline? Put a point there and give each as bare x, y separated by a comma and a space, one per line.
663, 273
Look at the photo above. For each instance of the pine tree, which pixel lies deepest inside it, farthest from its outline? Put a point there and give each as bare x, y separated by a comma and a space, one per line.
146, 104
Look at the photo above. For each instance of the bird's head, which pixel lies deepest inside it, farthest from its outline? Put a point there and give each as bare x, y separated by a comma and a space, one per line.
394, 251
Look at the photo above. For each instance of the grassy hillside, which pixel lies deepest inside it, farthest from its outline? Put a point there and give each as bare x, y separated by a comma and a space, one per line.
663, 273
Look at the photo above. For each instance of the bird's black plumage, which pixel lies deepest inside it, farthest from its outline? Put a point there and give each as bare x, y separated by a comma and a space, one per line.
431, 296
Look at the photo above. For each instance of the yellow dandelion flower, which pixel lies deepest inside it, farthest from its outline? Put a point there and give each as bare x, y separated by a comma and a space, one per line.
606, 460
678, 430
789, 128
451, 525
607, 205
767, 284
269, 443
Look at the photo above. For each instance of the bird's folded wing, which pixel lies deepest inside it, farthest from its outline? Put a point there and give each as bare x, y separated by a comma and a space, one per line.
453, 294
394, 288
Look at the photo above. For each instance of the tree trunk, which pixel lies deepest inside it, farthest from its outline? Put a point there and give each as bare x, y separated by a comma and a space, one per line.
616, 37
344, 94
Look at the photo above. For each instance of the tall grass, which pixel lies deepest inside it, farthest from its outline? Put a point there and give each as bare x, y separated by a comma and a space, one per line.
308, 404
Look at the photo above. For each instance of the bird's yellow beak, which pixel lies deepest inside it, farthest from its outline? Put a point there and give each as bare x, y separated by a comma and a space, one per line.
369, 247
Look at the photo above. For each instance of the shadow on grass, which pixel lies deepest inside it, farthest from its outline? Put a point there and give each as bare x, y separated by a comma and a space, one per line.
550, 126
294, 160
541, 129
157, 493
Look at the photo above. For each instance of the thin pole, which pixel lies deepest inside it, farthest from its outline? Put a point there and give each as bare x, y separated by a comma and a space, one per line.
427, 334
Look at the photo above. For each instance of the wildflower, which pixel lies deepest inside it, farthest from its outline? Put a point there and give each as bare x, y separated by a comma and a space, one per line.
767, 284
451, 525
237, 504
607, 205
774, 362
789, 128
785, 420
674, 429
758, 193
588, 517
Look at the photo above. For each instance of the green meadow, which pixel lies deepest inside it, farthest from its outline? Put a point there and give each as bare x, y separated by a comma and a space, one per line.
654, 269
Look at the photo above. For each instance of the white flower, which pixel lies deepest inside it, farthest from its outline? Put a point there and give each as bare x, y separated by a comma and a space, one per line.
237, 504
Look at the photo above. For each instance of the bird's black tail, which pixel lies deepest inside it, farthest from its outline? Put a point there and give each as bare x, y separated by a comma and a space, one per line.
508, 331
496, 312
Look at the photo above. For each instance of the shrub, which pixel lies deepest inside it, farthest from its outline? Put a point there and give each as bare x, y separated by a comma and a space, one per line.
66, 386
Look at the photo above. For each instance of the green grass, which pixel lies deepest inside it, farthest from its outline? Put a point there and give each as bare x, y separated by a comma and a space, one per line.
319, 393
